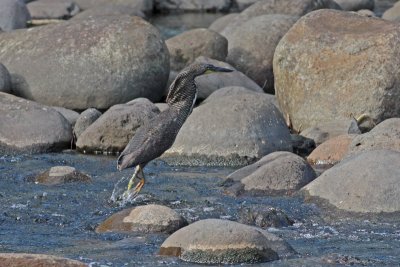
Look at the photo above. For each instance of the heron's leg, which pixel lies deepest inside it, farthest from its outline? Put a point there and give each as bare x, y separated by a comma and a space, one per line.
135, 174
139, 186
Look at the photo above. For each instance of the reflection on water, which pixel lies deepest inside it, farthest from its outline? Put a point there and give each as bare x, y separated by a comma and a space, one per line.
60, 220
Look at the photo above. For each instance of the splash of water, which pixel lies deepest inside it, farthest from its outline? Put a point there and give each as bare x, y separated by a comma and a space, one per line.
121, 195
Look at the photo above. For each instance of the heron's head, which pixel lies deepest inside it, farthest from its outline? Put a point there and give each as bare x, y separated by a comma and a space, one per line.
201, 68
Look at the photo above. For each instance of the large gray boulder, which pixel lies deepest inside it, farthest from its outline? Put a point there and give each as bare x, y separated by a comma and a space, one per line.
52, 9
25, 259
392, 13
13, 15
84, 120
252, 45
192, 5
385, 135
318, 80
187, 46
104, 68
296, 8
69, 114
278, 173
219, 24
214, 241
113, 130
233, 130
29, 127
366, 182
5, 79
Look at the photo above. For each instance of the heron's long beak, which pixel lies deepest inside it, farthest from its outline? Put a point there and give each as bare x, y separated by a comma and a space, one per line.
217, 69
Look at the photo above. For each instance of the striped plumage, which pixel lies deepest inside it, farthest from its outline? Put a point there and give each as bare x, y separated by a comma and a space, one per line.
158, 134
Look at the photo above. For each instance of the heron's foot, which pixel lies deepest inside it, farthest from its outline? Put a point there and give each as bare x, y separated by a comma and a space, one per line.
131, 193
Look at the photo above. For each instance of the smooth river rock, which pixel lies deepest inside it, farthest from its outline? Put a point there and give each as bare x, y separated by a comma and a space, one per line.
113, 130
318, 79
87, 63
146, 6
252, 45
184, 48
71, 115
36, 260
148, 219
392, 13
52, 9
219, 24
13, 15
84, 120
234, 130
264, 216
366, 183
279, 173
61, 175
385, 135
29, 127
109, 10
214, 241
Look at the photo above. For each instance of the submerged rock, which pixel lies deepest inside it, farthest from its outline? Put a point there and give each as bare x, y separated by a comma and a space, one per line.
84, 120
365, 183
264, 217
61, 175
102, 69
13, 15
113, 130
331, 151
275, 174
385, 135
252, 45
233, 130
318, 80
29, 127
25, 259
187, 46
214, 241
148, 219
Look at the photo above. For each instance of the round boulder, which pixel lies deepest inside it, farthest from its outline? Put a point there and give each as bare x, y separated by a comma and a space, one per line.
61, 175
392, 13
149, 219
84, 120
219, 24
88, 63
331, 151
234, 130
28, 127
50, 9
385, 135
25, 259
318, 79
214, 241
13, 15
366, 183
278, 173
252, 45
113, 130
5, 79
264, 216
186, 47
71, 115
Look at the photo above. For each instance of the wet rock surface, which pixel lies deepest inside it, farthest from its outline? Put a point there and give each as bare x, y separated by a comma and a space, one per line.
28, 127
278, 173
220, 241
264, 217
231, 131
100, 70
186, 47
144, 219
362, 183
255, 57
25, 259
60, 175
113, 130
358, 38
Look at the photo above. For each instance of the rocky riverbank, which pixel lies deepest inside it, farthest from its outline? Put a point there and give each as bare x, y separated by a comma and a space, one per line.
310, 113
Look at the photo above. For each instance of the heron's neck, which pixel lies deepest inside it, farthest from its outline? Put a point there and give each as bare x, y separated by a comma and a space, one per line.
182, 95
